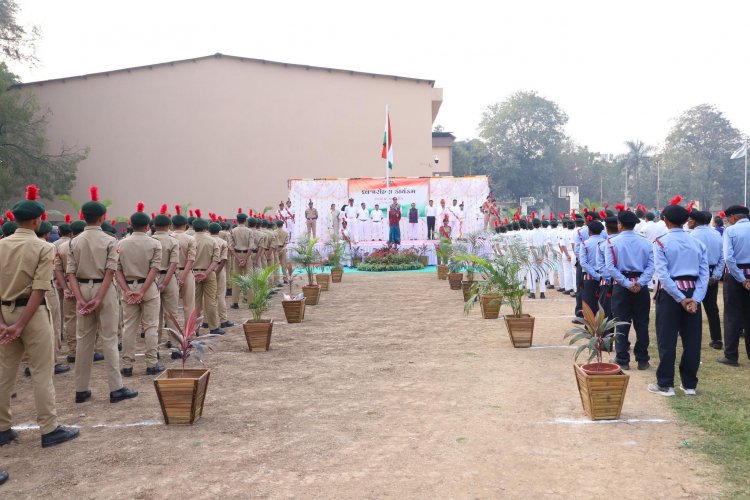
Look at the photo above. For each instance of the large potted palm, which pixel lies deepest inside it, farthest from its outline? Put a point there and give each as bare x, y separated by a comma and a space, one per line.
488, 291
335, 256
294, 306
473, 246
601, 385
455, 273
443, 251
257, 286
306, 255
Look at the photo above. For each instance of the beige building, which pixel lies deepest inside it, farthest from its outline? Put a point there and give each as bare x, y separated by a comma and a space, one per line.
442, 153
220, 131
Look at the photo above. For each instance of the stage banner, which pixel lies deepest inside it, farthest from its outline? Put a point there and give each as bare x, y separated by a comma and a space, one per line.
408, 191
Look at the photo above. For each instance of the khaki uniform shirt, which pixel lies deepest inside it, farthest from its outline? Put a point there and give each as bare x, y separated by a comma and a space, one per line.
187, 247
62, 248
92, 253
268, 239
170, 249
138, 255
311, 213
257, 238
207, 251
25, 265
241, 239
223, 247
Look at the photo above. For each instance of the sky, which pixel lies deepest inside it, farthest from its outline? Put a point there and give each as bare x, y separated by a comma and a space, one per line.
620, 70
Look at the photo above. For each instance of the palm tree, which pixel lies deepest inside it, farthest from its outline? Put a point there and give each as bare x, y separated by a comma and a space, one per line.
636, 159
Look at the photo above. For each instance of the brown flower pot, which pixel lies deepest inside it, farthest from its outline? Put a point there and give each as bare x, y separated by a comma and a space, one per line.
601, 395
181, 394
424, 260
336, 274
490, 303
520, 329
356, 260
323, 280
601, 368
466, 289
258, 334
312, 294
454, 280
442, 272
294, 310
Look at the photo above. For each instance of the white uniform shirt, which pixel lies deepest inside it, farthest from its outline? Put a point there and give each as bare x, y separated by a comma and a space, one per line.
351, 213
363, 214
376, 215
656, 230
431, 211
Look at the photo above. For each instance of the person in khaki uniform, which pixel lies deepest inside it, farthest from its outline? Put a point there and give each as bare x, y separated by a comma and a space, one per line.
137, 267
207, 258
166, 282
63, 290
25, 277
92, 263
221, 276
241, 246
185, 278
282, 237
311, 219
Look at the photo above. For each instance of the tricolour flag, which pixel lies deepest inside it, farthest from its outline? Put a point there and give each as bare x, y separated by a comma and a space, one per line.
387, 153
741, 152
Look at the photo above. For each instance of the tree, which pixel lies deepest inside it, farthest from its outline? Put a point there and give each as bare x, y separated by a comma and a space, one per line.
24, 156
635, 162
471, 158
17, 44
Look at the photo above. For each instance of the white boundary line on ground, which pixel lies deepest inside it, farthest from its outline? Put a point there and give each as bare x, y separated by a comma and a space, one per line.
144, 423
571, 421
553, 347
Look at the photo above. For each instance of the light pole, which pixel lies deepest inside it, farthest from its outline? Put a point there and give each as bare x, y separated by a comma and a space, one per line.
658, 184
626, 183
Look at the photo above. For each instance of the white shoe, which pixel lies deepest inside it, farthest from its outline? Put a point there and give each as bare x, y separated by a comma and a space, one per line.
688, 392
663, 391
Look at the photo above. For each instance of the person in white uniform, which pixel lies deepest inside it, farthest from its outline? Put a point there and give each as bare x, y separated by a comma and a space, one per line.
363, 223
350, 211
376, 223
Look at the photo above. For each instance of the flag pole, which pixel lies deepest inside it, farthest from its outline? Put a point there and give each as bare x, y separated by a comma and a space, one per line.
387, 170
746, 154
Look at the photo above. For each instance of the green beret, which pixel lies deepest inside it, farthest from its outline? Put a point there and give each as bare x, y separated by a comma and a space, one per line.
27, 210
190, 220
9, 228
279, 223
225, 225
200, 224
535, 221
553, 223
162, 220
44, 228
545, 223
241, 217
214, 228
64, 228
78, 226
93, 209
140, 219
179, 220
109, 228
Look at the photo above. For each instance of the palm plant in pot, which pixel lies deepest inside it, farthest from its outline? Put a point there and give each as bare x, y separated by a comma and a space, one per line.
308, 256
256, 285
182, 391
443, 251
489, 290
518, 261
335, 256
456, 267
601, 385
423, 258
294, 306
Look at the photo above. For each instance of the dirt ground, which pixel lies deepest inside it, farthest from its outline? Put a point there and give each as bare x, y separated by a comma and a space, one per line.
386, 390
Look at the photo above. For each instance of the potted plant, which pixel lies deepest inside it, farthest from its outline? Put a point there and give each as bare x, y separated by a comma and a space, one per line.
455, 273
335, 256
256, 285
601, 385
324, 280
182, 391
294, 306
423, 258
356, 256
443, 251
307, 256
489, 290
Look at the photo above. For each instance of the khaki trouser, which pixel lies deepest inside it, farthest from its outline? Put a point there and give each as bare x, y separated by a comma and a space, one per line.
244, 271
205, 301
36, 341
53, 304
136, 316
70, 312
277, 260
282, 263
187, 294
104, 322
169, 303
221, 295
311, 228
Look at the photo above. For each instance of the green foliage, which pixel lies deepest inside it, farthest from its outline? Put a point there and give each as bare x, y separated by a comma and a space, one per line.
597, 332
335, 251
500, 276
308, 256
444, 249
17, 44
256, 285
24, 156
380, 266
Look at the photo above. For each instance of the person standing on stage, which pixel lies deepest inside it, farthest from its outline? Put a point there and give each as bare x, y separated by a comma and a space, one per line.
394, 222
333, 220
431, 214
350, 211
698, 223
453, 212
413, 222
682, 270
311, 219
289, 218
376, 221
736, 244
363, 223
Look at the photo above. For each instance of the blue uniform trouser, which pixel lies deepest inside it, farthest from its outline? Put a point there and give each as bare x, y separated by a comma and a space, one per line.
736, 317
631, 307
673, 321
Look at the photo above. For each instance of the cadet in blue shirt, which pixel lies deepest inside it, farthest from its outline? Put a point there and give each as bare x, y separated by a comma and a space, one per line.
605, 282
581, 234
682, 270
736, 283
630, 262
711, 239
591, 273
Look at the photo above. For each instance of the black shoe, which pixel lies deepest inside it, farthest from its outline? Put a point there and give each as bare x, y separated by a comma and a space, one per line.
61, 369
217, 331
122, 394
227, 324
532, 295
127, 372
643, 365
143, 335
119, 346
59, 436
726, 361
27, 372
98, 357
204, 325
624, 366
716, 344
176, 355
541, 295
70, 359
561, 290
8, 436
82, 396
168, 344
235, 306
3, 476
156, 369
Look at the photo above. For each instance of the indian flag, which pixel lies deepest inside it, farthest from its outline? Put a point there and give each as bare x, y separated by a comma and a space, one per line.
387, 153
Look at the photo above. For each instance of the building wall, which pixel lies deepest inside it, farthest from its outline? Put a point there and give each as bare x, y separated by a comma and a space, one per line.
220, 133
445, 155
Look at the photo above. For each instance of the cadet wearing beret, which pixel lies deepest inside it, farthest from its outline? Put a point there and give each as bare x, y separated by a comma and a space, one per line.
682, 271
166, 280
25, 276
240, 246
185, 278
701, 230
214, 228
592, 274
207, 259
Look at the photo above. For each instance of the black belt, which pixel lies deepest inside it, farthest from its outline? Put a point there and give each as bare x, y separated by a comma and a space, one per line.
199, 270
685, 283
743, 266
314, 218
255, 251
91, 282
632, 274
20, 302
240, 251
163, 272
140, 281
685, 278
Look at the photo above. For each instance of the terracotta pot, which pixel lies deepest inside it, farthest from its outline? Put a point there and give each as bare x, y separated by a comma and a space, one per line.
520, 329
258, 334
336, 274
466, 289
490, 305
294, 310
442, 272
602, 396
323, 280
601, 368
454, 280
312, 294
424, 260
181, 394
